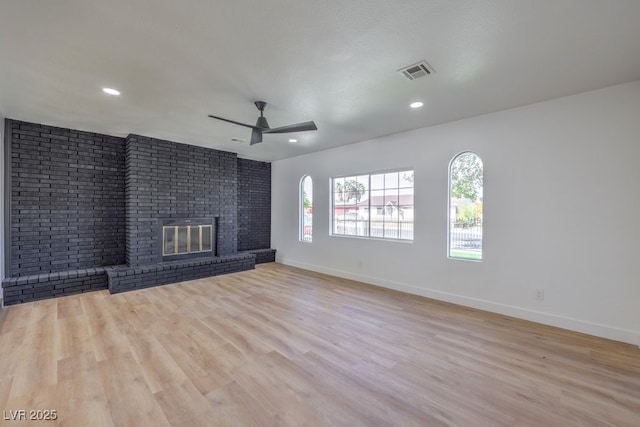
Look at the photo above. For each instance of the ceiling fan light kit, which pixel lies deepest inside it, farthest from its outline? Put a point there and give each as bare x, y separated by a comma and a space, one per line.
262, 126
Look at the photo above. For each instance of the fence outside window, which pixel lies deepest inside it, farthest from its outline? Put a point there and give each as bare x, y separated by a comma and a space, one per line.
465, 241
402, 230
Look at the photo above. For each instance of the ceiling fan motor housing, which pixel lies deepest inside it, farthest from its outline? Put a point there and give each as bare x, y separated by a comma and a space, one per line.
262, 123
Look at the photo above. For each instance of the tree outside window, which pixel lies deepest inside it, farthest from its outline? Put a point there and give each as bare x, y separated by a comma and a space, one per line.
465, 206
306, 209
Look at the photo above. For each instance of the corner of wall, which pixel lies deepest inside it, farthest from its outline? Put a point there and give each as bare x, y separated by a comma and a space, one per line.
2, 195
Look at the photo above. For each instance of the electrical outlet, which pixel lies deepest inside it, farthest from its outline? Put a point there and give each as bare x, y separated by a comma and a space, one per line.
540, 294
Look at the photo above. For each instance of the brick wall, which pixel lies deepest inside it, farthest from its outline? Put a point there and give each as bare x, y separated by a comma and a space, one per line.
67, 199
167, 180
254, 205
82, 203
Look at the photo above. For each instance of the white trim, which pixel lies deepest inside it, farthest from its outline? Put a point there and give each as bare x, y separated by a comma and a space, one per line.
577, 325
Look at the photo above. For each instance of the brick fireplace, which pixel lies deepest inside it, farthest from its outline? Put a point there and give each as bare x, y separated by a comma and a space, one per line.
87, 211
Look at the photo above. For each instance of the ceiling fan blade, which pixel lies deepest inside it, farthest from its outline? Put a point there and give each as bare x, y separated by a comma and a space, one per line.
234, 122
298, 127
256, 136
262, 126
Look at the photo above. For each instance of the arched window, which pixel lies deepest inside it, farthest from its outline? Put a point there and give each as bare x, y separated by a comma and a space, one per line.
465, 206
306, 209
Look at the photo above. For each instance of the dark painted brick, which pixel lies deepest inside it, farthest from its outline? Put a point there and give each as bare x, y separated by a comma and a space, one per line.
46, 169
195, 190
82, 200
254, 205
177, 271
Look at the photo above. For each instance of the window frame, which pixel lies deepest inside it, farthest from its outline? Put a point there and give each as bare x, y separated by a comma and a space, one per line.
449, 209
369, 208
302, 213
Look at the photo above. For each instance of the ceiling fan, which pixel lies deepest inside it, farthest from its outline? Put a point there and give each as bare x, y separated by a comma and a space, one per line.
262, 126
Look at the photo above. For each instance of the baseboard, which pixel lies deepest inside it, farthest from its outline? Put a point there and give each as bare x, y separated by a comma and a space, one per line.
577, 325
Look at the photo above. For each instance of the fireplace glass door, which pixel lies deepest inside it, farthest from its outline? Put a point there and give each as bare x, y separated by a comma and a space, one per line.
186, 239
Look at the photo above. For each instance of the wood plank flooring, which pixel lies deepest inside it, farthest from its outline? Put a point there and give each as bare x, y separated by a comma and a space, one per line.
279, 346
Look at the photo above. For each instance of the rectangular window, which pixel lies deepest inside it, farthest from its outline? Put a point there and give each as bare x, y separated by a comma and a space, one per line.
376, 205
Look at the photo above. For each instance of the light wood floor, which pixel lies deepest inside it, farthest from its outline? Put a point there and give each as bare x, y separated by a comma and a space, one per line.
280, 346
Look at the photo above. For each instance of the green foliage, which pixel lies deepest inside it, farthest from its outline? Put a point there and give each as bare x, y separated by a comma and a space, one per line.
305, 200
354, 189
351, 189
465, 254
469, 215
465, 216
339, 191
466, 177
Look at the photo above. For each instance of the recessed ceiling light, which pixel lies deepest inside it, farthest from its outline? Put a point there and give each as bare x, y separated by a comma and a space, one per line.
293, 140
110, 91
238, 140
416, 104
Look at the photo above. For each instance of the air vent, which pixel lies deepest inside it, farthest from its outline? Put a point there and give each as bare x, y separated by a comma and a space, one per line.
416, 71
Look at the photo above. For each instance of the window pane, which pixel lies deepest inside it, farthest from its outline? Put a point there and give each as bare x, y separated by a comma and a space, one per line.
465, 206
391, 180
391, 197
376, 225
338, 190
406, 179
391, 230
377, 182
364, 180
377, 197
306, 209
348, 226
352, 190
406, 199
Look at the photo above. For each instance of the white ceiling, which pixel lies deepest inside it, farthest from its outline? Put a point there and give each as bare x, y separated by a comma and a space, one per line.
334, 62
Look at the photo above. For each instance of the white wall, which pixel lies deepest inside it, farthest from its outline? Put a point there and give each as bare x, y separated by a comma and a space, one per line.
561, 213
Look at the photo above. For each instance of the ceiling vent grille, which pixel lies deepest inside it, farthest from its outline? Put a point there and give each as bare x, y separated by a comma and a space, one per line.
416, 71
